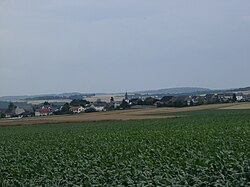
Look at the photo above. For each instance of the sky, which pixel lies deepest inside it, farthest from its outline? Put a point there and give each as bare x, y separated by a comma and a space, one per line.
57, 46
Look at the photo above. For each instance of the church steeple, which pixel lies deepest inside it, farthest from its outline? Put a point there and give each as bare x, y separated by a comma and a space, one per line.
126, 96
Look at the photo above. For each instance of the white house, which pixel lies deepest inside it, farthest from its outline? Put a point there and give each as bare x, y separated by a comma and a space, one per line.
42, 112
239, 97
77, 109
98, 108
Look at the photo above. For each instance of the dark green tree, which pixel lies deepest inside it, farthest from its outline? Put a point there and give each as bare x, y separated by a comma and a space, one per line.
65, 108
2, 115
234, 98
136, 101
79, 102
46, 103
150, 101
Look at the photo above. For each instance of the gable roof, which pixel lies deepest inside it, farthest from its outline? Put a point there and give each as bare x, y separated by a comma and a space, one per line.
43, 110
75, 107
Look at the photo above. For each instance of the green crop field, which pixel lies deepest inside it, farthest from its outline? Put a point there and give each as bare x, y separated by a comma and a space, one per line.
204, 148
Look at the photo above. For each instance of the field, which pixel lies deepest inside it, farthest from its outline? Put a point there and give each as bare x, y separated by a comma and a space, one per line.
37, 102
105, 97
112, 115
200, 148
239, 106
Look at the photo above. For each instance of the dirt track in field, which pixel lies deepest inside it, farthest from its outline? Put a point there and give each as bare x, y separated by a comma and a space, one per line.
131, 114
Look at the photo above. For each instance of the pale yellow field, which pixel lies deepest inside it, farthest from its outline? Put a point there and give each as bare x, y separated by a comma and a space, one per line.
246, 92
239, 106
106, 98
36, 102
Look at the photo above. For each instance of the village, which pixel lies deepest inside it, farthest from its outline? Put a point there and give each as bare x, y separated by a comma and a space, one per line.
129, 101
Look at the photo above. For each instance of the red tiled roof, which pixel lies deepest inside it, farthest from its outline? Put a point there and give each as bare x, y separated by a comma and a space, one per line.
75, 107
43, 110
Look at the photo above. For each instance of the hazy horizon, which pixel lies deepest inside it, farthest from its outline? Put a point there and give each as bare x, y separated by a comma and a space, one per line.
119, 92
50, 47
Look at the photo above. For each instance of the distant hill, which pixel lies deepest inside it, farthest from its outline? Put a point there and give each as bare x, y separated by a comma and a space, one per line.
241, 89
12, 98
174, 91
73, 95
167, 91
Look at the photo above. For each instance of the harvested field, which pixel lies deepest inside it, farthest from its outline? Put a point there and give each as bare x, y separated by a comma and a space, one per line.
246, 92
238, 106
106, 97
132, 114
37, 102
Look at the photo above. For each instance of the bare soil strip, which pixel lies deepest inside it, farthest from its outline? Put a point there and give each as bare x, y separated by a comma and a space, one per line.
131, 114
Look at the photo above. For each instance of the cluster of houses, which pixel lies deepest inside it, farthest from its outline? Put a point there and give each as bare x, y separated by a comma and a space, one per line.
19, 111
188, 100
97, 106
149, 101
79, 109
202, 99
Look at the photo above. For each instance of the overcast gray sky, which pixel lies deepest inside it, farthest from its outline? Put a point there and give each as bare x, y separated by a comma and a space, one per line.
54, 46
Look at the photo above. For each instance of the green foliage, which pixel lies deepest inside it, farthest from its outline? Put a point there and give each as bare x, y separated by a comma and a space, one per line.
150, 101
2, 115
136, 101
46, 103
79, 102
175, 103
234, 97
204, 148
65, 107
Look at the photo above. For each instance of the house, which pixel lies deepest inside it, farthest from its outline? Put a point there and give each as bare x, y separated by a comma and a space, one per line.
166, 98
195, 99
97, 107
209, 97
117, 104
239, 97
42, 112
55, 108
246, 97
15, 112
19, 111
222, 98
28, 110
109, 105
228, 96
76, 109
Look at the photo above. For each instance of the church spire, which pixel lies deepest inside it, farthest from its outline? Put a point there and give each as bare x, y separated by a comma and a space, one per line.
126, 96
